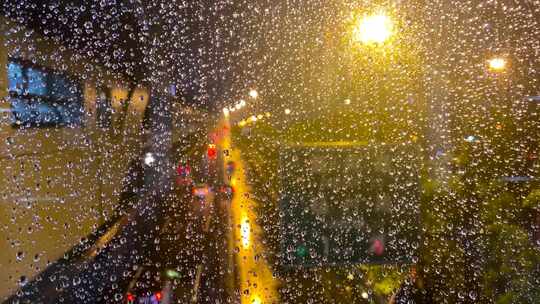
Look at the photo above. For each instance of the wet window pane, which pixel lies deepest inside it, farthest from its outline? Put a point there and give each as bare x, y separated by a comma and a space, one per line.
265, 152
15, 78
62, 88
37, 82
43, 99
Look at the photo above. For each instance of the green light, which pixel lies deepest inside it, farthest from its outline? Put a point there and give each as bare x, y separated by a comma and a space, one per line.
171, 273
301, 251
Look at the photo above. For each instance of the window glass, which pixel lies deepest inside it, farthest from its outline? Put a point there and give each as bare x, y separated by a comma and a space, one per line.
270, 151
15, 78
43, 99
37, 82
63, 88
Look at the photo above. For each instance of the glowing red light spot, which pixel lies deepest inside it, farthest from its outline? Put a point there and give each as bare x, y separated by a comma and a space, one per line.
130, 298
158, 295
378, 247
212, 151
183, 170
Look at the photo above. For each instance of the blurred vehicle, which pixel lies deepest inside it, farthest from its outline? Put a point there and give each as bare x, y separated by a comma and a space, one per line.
196, 167
144, 298
148, 287
230, 167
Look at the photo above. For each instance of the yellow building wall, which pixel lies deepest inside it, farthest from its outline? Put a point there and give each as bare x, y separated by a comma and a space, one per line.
54, 187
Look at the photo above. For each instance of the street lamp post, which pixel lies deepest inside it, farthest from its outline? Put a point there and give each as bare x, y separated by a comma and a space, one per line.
370, 34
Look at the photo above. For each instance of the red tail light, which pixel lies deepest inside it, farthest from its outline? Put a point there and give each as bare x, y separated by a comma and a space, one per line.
158, 296
200, 191
212, 151
130, 298
183, 170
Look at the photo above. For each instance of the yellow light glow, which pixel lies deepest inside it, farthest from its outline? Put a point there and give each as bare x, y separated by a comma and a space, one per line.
260, 116
267, 114
242, 103
373, 29
287, 111
245, 231
253, 93
242, 123
256, 300
238, 106
497, 64
225, 112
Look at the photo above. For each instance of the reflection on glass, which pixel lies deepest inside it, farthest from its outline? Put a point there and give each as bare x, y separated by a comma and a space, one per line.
37, 82
15, 78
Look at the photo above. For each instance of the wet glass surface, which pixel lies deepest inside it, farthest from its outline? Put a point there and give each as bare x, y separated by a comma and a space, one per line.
248, 151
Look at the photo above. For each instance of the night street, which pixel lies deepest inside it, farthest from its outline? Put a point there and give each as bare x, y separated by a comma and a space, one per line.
270, 151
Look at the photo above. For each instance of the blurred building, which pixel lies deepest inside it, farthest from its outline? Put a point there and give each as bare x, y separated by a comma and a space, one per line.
69, 132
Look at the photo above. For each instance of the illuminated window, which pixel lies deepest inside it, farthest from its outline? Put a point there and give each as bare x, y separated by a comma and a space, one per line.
41, 97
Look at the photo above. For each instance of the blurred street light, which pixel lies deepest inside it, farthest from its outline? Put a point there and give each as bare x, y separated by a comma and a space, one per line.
256, 300
253, 93
373, 29
149, 158
242, 103
497, 64
245, 231
287, 111
225, 112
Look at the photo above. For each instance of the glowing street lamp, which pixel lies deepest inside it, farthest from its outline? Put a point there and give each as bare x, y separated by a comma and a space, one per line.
497, 64
149, 158
373, 29
287, 111
225, 112
253, 93
256, 300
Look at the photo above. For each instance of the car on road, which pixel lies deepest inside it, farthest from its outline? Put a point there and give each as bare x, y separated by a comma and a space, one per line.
196, 175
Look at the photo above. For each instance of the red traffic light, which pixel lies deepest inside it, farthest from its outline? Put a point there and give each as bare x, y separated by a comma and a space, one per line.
212, 151
377, 247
